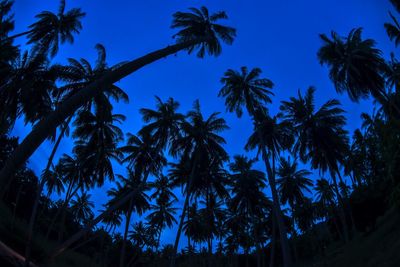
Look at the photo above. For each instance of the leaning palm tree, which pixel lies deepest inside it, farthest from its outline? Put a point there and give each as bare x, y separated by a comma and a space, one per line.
355, 66
393, 29
199, 31
270, 137
52, 29
199, 142
320, 136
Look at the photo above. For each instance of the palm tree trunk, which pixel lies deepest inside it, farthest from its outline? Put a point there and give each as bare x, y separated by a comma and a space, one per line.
347, 203
128, 220
294, 238
61, 248
50, 228
287, 258
341, 209
39, 193
16, 36
47, 125
184, 209
273, 241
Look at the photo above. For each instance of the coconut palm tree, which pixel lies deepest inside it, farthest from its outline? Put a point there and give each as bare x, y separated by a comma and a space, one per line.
245, 88
270, 137
199, 31
355, 66
161, 216
248, 89
163, 122
142, 155
320, 136
97, 142
78, 74
50, 29
199, 142
81, 207
28, 92
247, 197
137, 203
292, 183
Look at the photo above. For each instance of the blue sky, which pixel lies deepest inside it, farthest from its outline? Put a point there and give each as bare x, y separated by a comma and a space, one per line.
280, 37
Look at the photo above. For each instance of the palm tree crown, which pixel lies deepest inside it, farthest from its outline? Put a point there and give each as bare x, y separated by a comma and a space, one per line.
355, 64
245, 88
199, 24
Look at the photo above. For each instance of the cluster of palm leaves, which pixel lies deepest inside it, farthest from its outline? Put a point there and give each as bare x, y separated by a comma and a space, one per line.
225, 208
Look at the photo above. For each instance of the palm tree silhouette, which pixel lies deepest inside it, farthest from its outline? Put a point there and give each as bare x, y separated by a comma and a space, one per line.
270, 137
355, 66
247, 89
199, 31
162, 123
292, 183
200, 141
81, 207
52, 29
320, 137
137, 203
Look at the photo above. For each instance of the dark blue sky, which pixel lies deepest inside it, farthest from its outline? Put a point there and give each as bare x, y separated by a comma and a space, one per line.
279, 36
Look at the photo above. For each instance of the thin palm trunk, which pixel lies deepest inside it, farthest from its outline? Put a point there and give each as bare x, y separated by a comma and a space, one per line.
287, 258
341, 209
273, 241
294, 238
47, 125
128, 220
184, 209
39, 193
17, 35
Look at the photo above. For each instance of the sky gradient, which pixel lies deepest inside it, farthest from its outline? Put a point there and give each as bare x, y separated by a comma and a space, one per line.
278, 36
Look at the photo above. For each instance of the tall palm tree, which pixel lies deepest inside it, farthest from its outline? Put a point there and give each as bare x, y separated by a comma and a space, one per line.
292, 183
52, 29
81, 207
355, 66
143, 156
199, 30
248, 89
320, 136
137, 203
393, 30
162, 215
78, 74
28, 92
270, 137
245, 88
163, 122
199, 142
97, 144
247, 198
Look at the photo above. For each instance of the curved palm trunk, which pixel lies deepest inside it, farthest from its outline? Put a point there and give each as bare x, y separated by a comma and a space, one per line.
32, 219
47, 125
184, 209
287, 258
